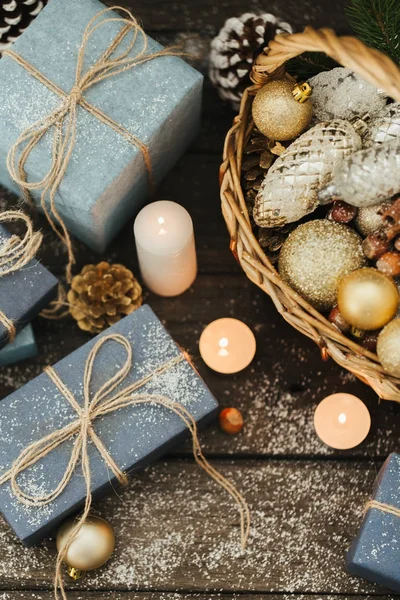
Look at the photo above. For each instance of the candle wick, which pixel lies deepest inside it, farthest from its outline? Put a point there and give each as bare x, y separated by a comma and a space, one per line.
342, 418
223, 343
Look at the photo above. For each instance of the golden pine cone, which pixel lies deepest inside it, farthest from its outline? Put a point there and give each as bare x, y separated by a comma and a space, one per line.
102, 294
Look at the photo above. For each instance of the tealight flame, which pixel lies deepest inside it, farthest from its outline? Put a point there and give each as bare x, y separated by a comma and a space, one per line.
223, 343
342, 418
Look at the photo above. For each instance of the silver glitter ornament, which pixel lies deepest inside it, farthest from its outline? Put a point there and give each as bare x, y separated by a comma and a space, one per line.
341, 94
367, 177
384, 127
290, 188
315, 257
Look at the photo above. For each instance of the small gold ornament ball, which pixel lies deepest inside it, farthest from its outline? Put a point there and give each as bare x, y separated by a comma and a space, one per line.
91, 547
367, 299
277, 114
314, 258
369, 218
388, 348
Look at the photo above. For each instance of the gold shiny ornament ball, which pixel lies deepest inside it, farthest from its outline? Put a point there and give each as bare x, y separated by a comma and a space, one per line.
388, 348
315, 257
367, 299
276, 112
91, 547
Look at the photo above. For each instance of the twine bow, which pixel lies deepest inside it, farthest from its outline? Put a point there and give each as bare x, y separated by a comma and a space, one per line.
63, 120
15, 253
104, 401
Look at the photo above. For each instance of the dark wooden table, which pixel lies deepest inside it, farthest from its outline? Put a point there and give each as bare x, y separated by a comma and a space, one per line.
177, 533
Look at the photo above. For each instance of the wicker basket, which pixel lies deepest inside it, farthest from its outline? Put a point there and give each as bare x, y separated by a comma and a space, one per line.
384, 74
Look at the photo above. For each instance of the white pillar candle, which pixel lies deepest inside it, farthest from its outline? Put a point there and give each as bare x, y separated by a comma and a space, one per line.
165, 247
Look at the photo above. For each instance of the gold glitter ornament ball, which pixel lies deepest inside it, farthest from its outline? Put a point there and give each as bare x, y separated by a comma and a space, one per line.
367, 299
314, 258
278, 114
91, 547
388, 348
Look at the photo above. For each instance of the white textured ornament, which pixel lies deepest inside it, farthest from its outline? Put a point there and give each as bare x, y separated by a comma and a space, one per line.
385, 127
290, 188
367, 177
341, 94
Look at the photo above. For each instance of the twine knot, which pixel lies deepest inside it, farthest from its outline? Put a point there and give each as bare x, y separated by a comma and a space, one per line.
109, 398
86, 420
75, 94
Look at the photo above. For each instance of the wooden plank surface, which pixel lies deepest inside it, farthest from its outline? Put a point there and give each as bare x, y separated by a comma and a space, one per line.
207, 16
89, 595
177, 533
176, 530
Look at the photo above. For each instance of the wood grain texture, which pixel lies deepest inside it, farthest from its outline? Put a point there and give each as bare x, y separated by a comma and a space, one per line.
176, 530
207, 16
89, 595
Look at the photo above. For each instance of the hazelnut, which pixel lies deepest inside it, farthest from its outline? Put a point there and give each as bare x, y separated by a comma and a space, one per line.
389, 263
231, 420
341, 212
336, 319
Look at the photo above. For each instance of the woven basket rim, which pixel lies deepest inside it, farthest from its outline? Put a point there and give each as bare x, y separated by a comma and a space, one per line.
295, 310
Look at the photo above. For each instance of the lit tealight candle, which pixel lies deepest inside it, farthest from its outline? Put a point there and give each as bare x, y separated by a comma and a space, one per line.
342, 421
227, 345
166, 248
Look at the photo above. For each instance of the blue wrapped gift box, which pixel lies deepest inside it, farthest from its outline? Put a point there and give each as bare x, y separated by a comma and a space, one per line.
106, 181
24, 293
23, 347
134, 436
375, 553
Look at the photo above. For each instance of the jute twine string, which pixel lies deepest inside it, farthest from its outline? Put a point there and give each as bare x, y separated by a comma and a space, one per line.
97, 404
15, 253
382, 506
63, 120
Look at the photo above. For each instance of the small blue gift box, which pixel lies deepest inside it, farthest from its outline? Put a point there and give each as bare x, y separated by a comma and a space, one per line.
23, 347
134, 436
375, 553
158, 102
24, 293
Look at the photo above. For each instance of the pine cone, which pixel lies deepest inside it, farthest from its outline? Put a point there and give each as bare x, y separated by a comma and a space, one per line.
102, 294
272, 239
257, 159
15, 16
235, 48
258, 155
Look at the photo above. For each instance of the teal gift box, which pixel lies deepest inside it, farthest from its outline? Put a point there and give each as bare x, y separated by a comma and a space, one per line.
157, 103
375, 552
23, 347
134, 435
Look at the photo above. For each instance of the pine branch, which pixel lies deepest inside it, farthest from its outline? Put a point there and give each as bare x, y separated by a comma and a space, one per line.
377, 24
309, 64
